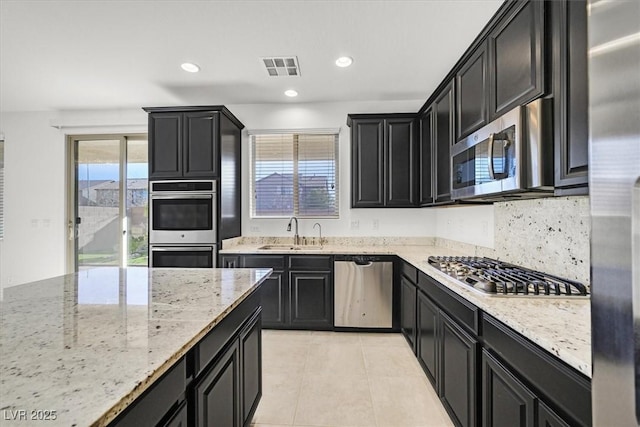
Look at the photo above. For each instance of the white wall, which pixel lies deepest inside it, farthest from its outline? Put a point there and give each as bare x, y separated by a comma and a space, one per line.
473, 224
35, 186
352, 222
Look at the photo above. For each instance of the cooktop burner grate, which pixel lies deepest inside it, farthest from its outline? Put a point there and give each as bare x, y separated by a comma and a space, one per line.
500, 278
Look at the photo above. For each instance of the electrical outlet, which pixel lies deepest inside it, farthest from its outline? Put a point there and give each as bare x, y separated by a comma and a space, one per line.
375, 224
255, 228
485, 227
355, 224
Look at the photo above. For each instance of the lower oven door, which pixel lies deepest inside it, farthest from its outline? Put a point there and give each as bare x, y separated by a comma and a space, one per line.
183, 256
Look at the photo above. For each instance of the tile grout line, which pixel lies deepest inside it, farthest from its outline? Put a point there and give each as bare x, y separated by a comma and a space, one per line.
304, 374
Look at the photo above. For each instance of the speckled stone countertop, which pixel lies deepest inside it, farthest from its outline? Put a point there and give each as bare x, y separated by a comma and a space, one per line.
86, 345
562, 326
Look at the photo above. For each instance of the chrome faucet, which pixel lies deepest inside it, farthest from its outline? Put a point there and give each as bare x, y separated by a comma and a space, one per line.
296, 238
319, 230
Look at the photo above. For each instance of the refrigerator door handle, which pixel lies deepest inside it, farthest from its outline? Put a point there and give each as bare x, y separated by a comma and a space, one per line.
635, 284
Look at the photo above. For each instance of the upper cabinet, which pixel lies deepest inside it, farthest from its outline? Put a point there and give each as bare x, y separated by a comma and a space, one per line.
425, 157
570, 95
506, 69
516, 52
472, 90
383, 160
185, 142
199, 143
443, 139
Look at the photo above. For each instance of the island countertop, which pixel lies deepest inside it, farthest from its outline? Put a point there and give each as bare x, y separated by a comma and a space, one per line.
81, 347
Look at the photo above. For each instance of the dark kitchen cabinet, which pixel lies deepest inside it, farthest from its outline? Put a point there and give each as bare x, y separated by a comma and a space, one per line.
443, 131
311, 300
217, 393
408, 296
516, 52
383, 160
427, 337
199, 143
425, 158
548, 418
570, 96
506, 402
180, 419
472, 91
299, 292
251, 367
458, 359
229, 261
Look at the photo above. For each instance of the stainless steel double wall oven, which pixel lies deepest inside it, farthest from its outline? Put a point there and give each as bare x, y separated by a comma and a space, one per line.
183, 223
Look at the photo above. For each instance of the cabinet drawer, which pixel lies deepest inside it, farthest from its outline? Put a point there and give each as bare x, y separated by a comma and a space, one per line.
462, 311
212, 344
409, 271
151, 407
548, 377
311, 262
261, 261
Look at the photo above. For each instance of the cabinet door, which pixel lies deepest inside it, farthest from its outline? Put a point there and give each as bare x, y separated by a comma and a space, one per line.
427, 338
217, 394
200, 145
548, 418
458, 365
311, 303
425, 148
571, 90
229, 261
443, 136
367, 163
506, 402
400, 162
408, 293
472, 93
179, 419
165, 145
251, 353
274, 295
516, 49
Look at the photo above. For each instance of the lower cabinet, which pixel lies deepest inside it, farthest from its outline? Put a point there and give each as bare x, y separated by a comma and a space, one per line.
217, 383
299, 292
311, 300
217, 393
458, 358
506, 402
427, 344
408, 310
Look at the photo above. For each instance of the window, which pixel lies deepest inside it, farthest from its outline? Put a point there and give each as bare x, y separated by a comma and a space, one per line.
1, 187
294, 174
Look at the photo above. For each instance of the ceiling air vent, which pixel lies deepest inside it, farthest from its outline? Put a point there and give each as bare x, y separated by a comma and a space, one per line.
282, 66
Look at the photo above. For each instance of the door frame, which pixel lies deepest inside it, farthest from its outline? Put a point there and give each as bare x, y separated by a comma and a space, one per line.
71, 205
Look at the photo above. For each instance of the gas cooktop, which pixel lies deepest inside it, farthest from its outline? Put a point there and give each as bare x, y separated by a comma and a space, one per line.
492, 277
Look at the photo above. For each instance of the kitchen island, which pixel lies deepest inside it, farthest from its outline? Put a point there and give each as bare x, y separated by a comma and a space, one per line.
79, 349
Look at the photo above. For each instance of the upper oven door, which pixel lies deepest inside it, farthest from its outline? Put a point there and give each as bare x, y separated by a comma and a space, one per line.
184, 218
488, 161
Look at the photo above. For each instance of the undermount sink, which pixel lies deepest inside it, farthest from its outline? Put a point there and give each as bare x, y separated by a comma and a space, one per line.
290, 247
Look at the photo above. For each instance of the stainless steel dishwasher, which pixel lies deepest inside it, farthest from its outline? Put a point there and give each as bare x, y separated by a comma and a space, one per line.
363, 292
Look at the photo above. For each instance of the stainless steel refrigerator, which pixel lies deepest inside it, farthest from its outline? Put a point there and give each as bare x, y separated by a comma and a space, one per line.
614, 186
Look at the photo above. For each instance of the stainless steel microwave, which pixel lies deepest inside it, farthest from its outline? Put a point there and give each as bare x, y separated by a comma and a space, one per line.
511, 157
183, 212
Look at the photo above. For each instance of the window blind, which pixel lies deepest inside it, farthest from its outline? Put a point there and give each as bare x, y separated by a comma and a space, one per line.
294, 174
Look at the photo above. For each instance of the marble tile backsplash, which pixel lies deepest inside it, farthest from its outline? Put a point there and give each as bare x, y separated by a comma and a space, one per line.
551, 235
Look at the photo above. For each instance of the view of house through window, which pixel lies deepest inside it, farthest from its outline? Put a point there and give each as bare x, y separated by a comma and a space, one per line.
111, 205
294, 174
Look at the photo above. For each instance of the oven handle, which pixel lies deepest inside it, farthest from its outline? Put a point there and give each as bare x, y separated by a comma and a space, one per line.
182, 196
182, 249
492, 173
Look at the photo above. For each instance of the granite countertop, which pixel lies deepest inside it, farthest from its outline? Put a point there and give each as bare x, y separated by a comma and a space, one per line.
86, 345
562, 326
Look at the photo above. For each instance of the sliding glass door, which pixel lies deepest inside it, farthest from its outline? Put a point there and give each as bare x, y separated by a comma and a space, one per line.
109, 216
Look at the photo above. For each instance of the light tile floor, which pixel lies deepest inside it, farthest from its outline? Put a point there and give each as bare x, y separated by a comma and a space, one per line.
336, 379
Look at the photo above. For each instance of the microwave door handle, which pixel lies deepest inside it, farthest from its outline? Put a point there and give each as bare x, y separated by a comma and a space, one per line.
492, 174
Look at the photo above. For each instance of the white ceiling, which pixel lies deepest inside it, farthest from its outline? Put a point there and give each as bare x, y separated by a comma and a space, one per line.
95, 54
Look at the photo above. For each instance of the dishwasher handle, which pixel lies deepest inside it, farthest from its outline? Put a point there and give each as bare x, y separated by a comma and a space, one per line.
363, 263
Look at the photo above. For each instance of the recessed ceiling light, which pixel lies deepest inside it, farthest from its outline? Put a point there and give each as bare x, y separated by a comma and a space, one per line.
344, 61
291, 93
190, 67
